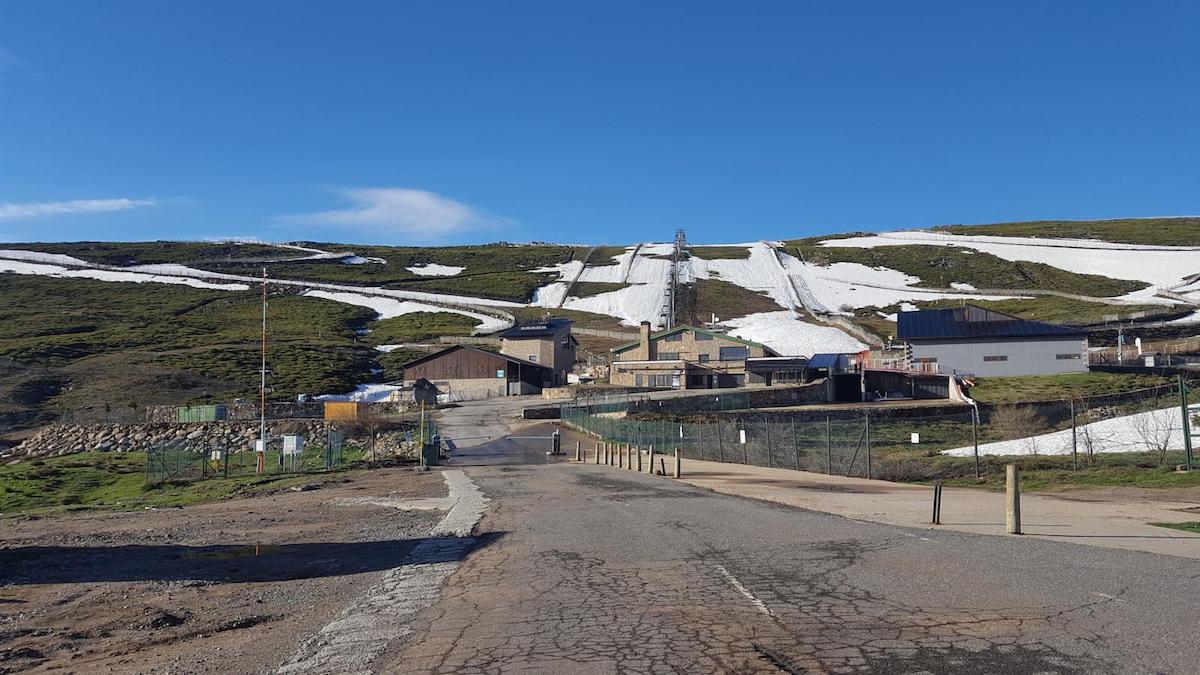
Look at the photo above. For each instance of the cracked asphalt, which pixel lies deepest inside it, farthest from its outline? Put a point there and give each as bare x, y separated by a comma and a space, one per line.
594, 569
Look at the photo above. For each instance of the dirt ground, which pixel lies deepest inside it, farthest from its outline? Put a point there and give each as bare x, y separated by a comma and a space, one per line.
233, 586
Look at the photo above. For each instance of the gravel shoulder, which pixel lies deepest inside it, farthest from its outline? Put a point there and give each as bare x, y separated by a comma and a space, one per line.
232, 586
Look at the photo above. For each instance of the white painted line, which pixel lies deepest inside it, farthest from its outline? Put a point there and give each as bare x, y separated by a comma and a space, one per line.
737, 586
351, 643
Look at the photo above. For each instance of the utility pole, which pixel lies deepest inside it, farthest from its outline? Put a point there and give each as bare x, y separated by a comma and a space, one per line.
262, 387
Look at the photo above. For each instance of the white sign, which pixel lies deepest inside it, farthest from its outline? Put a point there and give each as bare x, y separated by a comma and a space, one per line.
916, 438
681, 431
742, 436
260, 445
293, 445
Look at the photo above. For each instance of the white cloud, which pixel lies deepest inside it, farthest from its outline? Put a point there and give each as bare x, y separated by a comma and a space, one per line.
11, 211
414, 213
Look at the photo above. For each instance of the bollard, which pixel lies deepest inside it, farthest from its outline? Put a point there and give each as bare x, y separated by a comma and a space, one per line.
629, 457
1012, 492
662, 466
597, 452
638, 451
578, 451
678, 464
650, 466
620, 456
937, 503
608, 454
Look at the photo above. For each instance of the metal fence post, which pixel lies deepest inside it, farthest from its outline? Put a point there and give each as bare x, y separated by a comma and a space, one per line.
1074, 440
867, 432
720, 442
975, 436
829, 445
1187, 429
767, 427
796, 443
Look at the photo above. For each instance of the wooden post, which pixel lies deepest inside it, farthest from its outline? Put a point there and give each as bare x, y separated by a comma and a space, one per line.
720, 443
1012, 493
620, 456
597, 452
578, 451
650, 466
678, 464
637, 449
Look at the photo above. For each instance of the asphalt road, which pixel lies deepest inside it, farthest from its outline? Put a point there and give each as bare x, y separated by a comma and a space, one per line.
596, 569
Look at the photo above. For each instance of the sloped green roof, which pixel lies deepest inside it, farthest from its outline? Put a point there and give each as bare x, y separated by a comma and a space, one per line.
684, 328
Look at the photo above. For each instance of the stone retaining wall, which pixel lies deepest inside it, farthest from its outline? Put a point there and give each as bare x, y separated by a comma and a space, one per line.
65, 439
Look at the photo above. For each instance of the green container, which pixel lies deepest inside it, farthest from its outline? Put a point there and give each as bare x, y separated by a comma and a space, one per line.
200, 413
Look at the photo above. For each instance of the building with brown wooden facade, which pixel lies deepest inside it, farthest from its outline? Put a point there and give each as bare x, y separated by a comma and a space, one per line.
467, 373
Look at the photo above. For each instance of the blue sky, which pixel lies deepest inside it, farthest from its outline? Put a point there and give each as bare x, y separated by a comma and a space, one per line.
446, 122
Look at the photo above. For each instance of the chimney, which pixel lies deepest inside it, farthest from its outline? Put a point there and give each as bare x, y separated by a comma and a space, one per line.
644, 340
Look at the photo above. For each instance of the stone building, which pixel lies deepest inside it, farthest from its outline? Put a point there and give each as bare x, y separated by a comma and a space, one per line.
684, 357
547, 342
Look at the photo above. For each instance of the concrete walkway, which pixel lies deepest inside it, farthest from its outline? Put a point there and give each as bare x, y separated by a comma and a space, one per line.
1111, 518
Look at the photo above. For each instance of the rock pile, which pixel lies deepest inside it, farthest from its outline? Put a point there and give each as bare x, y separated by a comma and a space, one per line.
65, 439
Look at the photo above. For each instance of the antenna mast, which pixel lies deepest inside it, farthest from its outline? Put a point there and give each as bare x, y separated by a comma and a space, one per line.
262, 386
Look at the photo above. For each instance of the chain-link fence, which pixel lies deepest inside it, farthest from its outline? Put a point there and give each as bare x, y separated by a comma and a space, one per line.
912, 443
196, 460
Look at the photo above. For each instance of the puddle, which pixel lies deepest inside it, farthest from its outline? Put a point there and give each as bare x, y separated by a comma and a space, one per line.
231, 552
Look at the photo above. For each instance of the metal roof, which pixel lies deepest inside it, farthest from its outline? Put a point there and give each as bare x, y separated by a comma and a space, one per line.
448, 350
827, 360
970, 321
536, 329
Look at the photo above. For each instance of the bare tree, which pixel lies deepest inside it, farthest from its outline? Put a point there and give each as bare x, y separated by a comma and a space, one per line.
1019, 422
1155, 428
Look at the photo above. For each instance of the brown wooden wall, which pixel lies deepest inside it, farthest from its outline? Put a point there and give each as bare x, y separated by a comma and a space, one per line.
460, 364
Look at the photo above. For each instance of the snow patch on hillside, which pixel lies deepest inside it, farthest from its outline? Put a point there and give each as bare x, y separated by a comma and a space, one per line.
435, 270
367, 393
38, 269
788, 335
1130, 433
387, 308
1156, 265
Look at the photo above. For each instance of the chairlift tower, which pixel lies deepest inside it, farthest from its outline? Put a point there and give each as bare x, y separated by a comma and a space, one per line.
672, 292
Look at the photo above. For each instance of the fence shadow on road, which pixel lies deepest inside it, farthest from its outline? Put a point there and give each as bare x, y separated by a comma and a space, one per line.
223, 563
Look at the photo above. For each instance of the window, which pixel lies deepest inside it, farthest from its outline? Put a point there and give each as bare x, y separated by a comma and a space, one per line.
998, 357
703, 337
532, 358
734, 353
704, 358
667, 356
662, 380
676, 337
1068, 357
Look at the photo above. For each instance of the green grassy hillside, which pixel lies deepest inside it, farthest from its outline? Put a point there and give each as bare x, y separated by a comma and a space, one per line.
1154, 231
